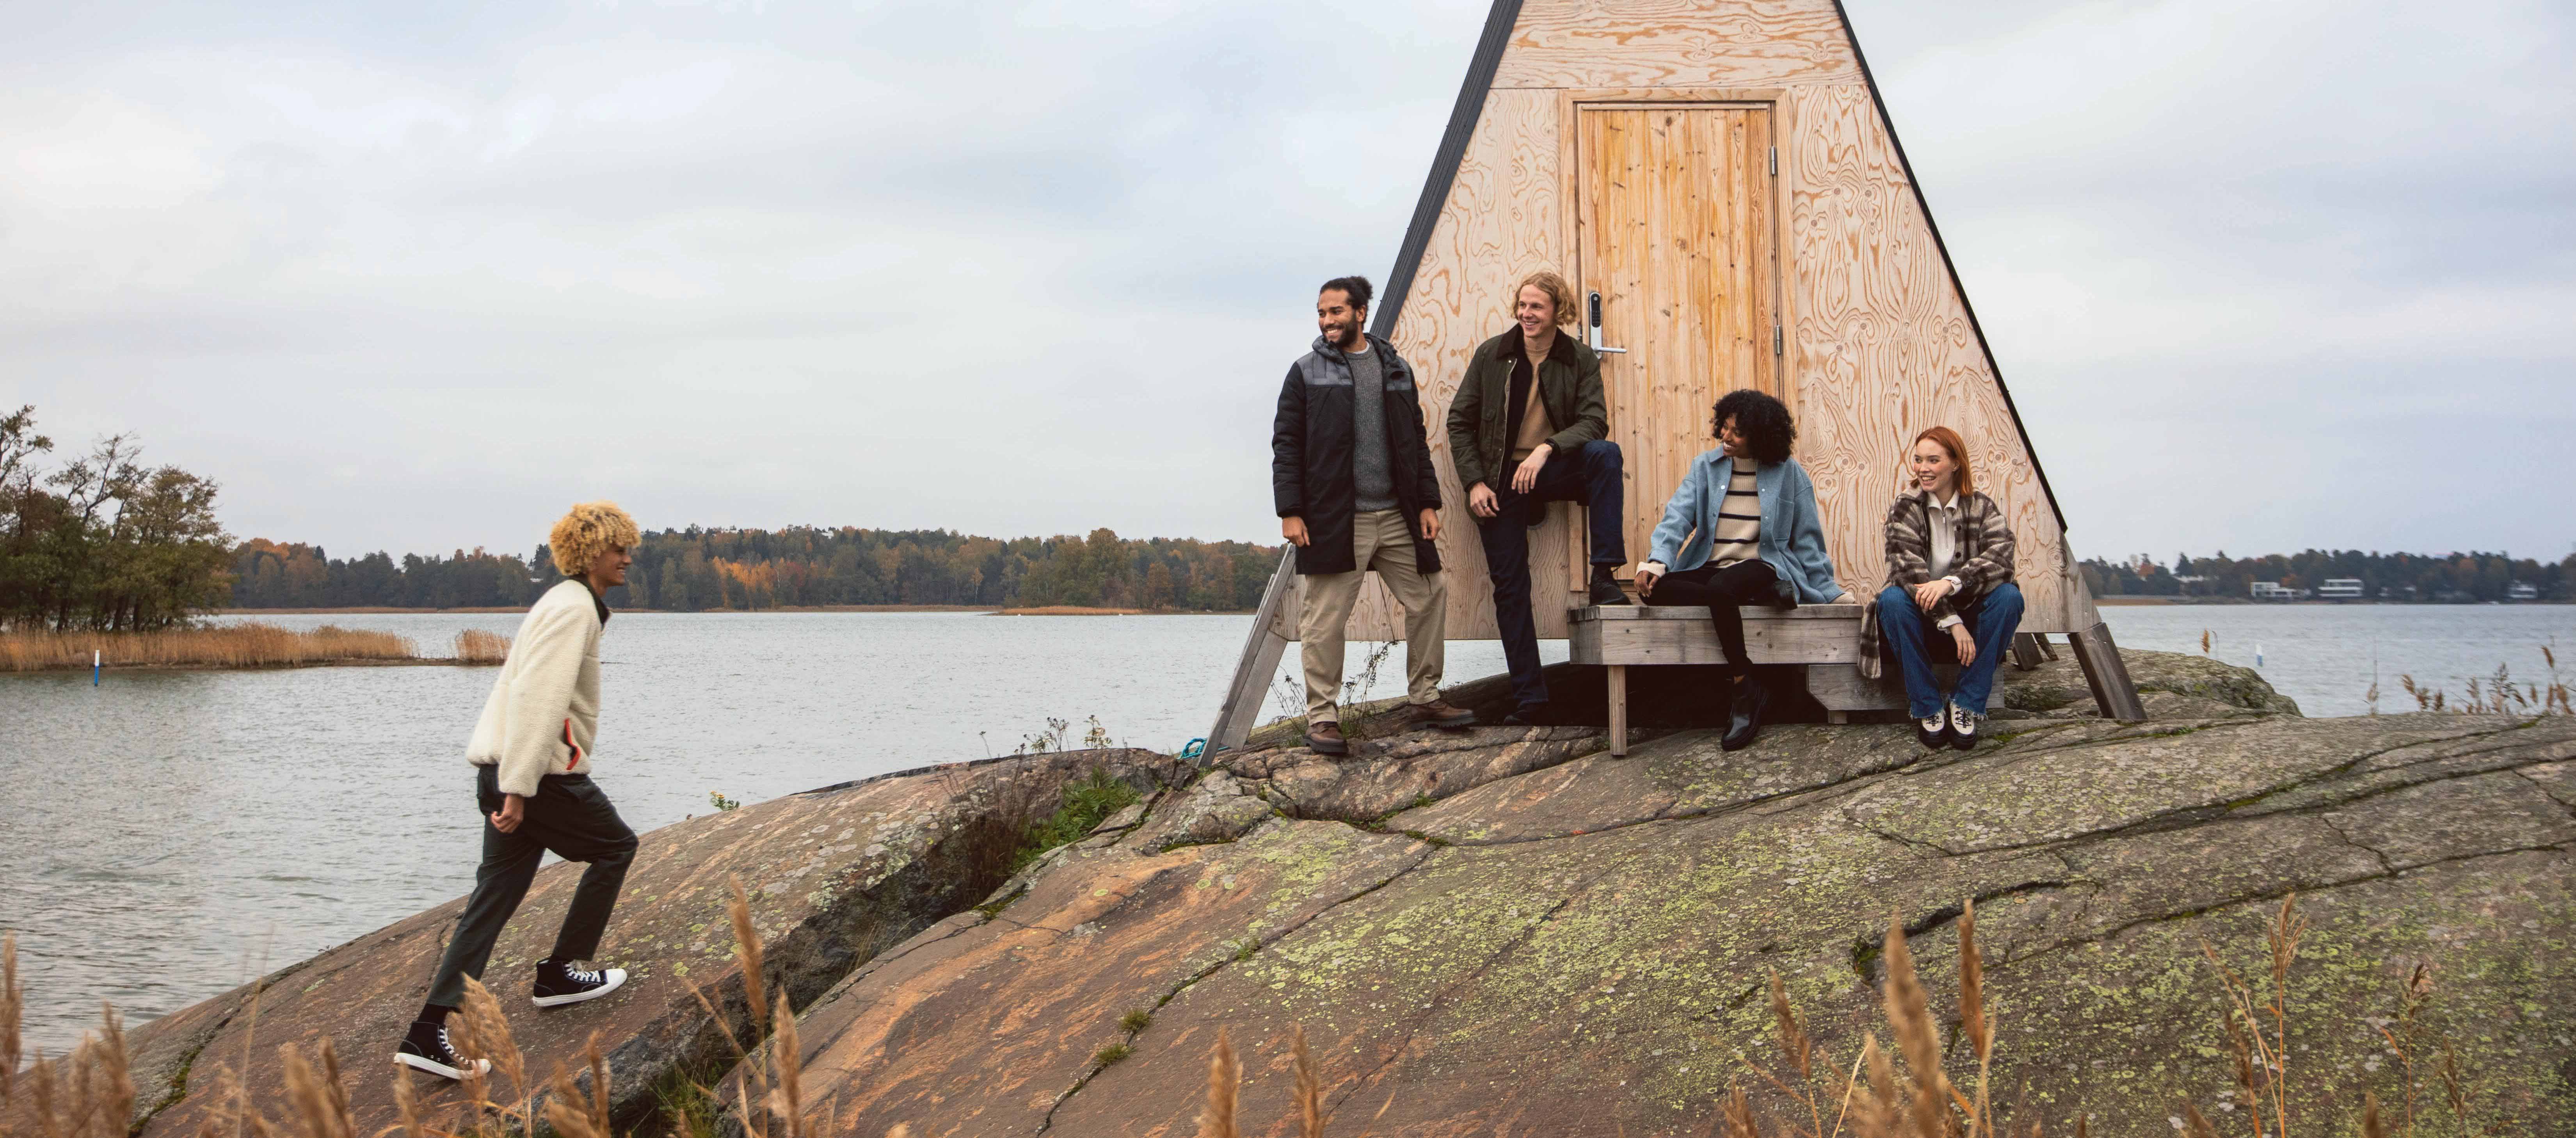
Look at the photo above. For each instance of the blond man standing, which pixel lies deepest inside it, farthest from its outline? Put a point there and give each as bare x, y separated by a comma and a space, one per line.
1351, 471
531, 755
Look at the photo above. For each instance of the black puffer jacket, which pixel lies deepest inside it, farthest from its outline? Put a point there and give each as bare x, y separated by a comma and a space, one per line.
1310, 456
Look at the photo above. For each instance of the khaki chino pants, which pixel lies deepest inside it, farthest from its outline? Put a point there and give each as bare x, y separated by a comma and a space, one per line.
1380, 541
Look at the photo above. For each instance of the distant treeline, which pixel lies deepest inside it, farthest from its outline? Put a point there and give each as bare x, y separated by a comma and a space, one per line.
102, 541
2462, 578
698, 569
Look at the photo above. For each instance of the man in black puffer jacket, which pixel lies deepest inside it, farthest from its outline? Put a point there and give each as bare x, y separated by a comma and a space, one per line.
1351, 471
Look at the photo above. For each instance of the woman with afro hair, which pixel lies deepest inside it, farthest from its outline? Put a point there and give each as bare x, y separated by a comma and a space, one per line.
1742, 528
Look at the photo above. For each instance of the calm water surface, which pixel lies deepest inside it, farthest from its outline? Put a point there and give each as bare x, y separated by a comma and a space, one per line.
166, 836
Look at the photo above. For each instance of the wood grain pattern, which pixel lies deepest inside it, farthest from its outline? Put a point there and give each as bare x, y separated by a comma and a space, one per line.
1671, 43
1502, 222
1675, 230
1885, 349
1689, 639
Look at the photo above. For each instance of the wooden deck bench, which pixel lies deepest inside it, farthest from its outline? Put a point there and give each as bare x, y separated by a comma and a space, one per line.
1824, 639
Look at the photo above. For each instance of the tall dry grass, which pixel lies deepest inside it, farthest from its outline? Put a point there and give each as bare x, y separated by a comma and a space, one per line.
475, 646
251, 645
2499, 694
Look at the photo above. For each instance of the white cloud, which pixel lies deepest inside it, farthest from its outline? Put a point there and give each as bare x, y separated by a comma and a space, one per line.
1037, 267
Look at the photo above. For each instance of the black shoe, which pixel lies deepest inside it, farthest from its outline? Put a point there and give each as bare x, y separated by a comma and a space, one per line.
560, 984
1607, 592
1963, 728
425, 1048
1933, 732
1526, 715
1751, 700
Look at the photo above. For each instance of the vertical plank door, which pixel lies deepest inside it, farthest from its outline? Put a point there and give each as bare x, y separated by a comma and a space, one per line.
1675, 230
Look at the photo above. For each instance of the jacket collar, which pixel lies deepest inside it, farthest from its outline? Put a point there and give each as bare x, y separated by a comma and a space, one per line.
1561, 350
1326, 349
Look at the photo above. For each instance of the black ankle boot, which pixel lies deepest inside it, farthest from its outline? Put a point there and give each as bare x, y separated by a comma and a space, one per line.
1751, 700
1605, 588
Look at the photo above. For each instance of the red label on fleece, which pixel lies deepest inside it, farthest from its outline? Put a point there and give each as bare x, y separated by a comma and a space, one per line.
575, 760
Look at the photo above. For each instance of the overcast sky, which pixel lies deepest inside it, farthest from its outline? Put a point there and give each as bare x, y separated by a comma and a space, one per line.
413, 277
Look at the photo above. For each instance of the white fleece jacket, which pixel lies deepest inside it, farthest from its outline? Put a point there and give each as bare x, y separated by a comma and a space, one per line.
544, 709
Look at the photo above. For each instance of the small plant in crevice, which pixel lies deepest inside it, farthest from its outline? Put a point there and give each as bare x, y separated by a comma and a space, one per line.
717, 799
1111, 1054
1136, 1020
1086, 805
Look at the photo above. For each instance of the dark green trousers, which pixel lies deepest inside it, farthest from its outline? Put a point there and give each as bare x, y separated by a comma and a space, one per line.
568, 816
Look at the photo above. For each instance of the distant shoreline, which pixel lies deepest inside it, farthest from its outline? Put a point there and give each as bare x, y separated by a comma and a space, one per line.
993, 610
2153, 602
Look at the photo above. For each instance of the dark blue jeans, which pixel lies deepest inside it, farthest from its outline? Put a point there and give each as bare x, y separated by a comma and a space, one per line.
1591, 474
1991, 619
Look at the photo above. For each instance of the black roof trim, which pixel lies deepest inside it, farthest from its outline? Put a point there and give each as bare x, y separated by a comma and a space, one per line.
1955, 283
1444, 164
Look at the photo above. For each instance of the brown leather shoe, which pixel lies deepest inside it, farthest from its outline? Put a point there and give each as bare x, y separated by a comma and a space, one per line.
1325, 738
1438, 713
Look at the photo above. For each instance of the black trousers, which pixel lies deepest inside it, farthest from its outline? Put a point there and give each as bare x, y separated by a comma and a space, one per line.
1722, 590
569, 816
1590, 474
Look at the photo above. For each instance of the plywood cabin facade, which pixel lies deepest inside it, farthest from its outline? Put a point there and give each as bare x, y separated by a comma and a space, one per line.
1723, 174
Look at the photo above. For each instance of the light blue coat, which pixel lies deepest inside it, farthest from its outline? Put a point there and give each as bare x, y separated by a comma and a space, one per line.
1793, 534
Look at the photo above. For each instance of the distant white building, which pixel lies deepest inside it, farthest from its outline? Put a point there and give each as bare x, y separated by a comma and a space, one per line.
2272, 591
2340, 589
2518, 591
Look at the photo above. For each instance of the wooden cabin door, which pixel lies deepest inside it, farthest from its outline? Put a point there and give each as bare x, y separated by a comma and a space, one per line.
1675, 230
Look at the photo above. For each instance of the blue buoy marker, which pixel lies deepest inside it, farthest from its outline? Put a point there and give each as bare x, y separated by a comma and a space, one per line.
93, 667
2258, 655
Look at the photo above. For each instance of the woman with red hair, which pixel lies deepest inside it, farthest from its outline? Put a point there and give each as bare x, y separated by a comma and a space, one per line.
1949, 577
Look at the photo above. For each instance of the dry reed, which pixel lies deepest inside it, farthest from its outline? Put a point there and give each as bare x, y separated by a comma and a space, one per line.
250, 645
476, 646
1225, 1081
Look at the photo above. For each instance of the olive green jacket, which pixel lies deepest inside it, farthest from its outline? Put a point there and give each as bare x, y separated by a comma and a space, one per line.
1569, 386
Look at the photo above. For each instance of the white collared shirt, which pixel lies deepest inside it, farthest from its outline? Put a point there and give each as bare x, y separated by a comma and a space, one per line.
1945, 545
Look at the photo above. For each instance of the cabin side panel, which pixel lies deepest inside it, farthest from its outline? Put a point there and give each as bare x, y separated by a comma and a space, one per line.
1884, 349
1502, 221
1677, 43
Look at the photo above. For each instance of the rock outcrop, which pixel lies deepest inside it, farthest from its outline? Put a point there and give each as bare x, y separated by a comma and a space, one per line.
1501, 930
835, 875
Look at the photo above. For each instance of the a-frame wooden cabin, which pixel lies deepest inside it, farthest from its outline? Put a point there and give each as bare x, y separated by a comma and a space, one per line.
1724, 176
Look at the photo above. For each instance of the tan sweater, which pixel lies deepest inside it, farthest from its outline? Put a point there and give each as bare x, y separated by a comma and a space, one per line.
544, 709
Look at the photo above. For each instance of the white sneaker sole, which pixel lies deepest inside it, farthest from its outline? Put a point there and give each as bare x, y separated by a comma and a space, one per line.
611, 980
442, 1070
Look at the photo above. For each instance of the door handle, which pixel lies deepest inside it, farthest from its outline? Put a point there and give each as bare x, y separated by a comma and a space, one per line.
1592, 330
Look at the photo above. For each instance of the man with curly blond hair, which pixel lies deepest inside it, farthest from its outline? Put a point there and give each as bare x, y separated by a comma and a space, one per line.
531, 755
1528, 427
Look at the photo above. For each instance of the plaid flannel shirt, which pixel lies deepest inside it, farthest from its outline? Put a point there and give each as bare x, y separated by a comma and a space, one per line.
1984, 559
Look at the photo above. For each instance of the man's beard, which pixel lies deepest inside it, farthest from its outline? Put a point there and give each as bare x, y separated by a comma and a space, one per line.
1346, 335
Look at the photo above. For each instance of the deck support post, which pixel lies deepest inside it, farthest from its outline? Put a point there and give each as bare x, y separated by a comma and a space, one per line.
1261, 652
2026, 650
1618, 711
2113, 692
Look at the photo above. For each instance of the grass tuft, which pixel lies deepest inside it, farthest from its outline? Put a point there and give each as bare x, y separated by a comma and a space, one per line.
1111, 1054
1136, 1020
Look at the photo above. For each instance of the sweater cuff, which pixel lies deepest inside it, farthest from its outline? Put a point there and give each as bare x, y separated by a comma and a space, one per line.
1949, 622
1653, 567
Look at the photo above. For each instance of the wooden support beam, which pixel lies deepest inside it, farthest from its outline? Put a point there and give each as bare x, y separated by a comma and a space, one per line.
2046, 649
1618, 711
2113, 692
1262, 648
2026, 650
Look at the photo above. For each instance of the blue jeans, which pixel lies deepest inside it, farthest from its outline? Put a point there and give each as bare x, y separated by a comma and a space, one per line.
1590, 474
1991, 622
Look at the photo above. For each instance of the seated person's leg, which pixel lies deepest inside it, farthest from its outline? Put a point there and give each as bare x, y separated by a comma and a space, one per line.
1505, 537
1737, 585
1997, 617
1902, 625
1593, 476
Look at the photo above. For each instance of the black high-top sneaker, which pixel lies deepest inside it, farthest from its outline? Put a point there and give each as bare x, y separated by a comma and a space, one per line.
425, 1048
1934, 732
559, 984
1963, 728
